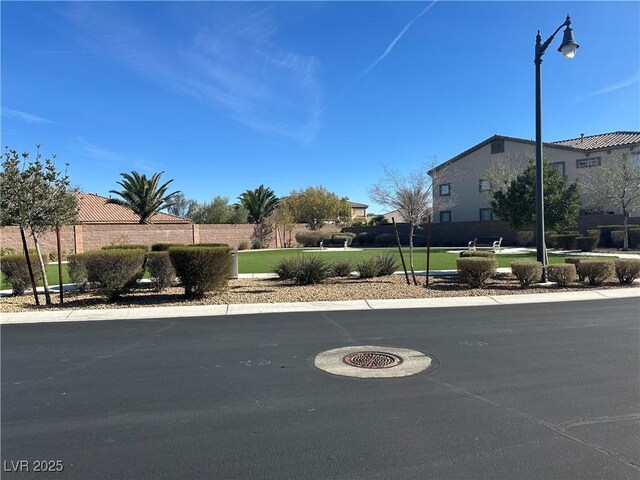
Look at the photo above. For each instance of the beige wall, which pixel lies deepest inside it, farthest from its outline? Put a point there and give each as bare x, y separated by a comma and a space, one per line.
83, 238
464, 175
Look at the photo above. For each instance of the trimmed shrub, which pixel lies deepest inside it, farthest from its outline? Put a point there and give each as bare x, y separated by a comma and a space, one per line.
385, 264
575, 261
115, 270
341, 268
310, 270
365, 239
160, 269
126, 247
6, 251
566, 241
342, 237
163, 247
605, 234
477, 253
596, 272
78, 271
15, 271
367, 267
475, 271
201, 269
286, 267
348, 234
587, 244
524, 238
551, 239
561, 273
617, 238
225, 245
627, 270
526, 272
309, 239
593, 233
243, 245
386, 239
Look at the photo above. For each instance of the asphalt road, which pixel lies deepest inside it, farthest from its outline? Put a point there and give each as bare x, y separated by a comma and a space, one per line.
525, 391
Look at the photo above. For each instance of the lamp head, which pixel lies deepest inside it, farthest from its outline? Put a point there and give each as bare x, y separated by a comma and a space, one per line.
569, 44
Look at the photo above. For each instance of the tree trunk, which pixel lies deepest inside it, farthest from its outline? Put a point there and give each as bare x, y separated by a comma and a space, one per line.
26, 255
42, 269
413, 272
59, 264
625, 222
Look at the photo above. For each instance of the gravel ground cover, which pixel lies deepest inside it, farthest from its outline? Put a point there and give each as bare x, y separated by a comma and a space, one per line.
275, 291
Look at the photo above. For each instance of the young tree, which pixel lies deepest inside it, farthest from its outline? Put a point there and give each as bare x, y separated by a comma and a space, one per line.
316, 205
259, 203
615, 184
36, 197
217, 210
283, 222
411, 195
143, 195
516, 204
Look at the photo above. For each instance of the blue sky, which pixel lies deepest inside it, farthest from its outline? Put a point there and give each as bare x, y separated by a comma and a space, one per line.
225, 96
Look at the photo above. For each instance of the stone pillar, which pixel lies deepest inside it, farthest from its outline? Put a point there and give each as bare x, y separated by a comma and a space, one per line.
195, 229
78, 240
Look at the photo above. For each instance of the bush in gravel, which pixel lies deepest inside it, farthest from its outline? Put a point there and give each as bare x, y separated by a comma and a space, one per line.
243, 246
551, 239
386, 239
201, 269
160, 269
341, 268
627, 270
309, 239
575, 261
15, 271
587, 244
367, 267
562, 274
566, 241
526, 272
596, 272
125, 247
477, 253
310, 270
286, 267
78, 271
475, 271
385, 264
115, 270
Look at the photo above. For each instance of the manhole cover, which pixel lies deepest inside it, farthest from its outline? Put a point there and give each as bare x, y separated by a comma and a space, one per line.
372, 360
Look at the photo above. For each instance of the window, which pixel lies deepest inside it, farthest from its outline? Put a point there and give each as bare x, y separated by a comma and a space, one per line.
445, 216
588, 162
559, 166
484, 185
445, 189
486, 214
497, 146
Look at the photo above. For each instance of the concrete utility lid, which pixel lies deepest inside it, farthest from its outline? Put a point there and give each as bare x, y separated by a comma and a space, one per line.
369, 361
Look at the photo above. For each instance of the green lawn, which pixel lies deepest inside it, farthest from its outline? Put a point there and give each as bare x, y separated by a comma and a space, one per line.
256, 261
263, 261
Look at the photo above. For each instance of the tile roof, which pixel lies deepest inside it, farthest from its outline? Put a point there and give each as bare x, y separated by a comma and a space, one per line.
603, 140
94, 208
357, 205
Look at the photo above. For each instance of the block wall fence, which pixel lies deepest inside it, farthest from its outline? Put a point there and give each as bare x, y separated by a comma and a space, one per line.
83, 238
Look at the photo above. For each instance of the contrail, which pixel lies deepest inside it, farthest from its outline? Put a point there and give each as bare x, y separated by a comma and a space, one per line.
388, 50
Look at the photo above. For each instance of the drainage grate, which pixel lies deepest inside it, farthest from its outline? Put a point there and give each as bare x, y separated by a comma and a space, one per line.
372, 360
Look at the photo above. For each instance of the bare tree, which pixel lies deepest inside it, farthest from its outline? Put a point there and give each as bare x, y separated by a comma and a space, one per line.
614, 184
411, 195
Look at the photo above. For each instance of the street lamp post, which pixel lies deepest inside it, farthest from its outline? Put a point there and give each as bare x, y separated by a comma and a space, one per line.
568, 50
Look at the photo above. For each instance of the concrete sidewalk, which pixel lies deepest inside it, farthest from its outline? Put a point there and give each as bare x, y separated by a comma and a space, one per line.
251, 308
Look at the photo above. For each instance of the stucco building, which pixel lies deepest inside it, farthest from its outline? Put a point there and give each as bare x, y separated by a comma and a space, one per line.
461, 190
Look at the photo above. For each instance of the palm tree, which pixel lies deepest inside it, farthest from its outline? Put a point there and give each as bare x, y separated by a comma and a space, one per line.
143, 195
259, 203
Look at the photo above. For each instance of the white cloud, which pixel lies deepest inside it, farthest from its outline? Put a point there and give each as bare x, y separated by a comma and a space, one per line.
615, 86
24, 116
242, 70
98, 153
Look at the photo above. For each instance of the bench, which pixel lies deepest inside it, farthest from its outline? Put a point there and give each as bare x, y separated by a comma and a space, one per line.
334, 242
486, 242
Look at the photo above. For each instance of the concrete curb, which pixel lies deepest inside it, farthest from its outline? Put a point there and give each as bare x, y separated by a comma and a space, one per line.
253, 308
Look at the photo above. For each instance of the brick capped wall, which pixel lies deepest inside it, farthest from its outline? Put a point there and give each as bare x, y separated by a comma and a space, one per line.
83, 238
